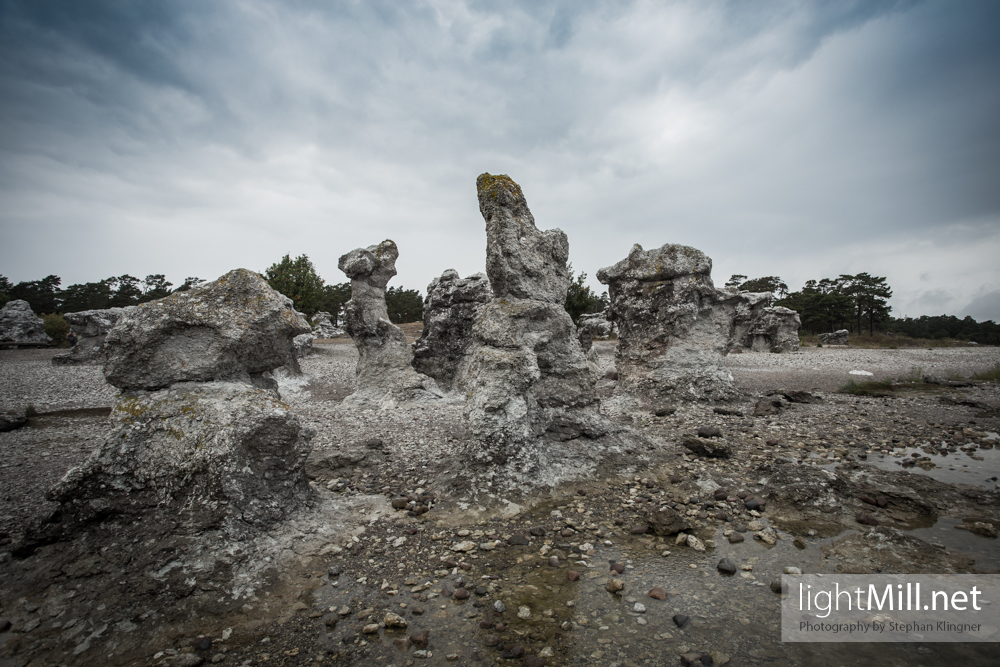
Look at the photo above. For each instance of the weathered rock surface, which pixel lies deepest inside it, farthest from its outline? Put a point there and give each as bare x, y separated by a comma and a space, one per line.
385, 377
323, 327
835, 338
235, 328
762, 327
450, 309
91, 328
666, 521
708, 447
19, 324
11, 421
328, 464
593, 325
674, 326
302, 345
532, 408
201, 455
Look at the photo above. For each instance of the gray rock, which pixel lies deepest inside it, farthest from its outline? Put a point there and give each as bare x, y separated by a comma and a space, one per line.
712, 448
666, 521
761, 327
236, 328
593, 325
836, 338
303, 345
674, 326
329, 464
9, 422
726, 566
200, 455
19, 324
532, 408
323, 327
91, 328
384, 375
450, 309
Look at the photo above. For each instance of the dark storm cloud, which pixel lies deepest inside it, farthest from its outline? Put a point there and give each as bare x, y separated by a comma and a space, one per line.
792, 138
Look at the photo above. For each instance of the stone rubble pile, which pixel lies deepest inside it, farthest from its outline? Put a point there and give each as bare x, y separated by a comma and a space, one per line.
450, 309
199, 437
674, 326
385, 377
19, 324
91, 328
531, 405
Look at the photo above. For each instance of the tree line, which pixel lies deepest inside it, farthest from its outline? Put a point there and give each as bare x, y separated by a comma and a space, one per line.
860, 304
45, 296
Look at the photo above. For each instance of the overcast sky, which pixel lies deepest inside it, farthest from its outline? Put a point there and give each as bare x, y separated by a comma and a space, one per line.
798, 139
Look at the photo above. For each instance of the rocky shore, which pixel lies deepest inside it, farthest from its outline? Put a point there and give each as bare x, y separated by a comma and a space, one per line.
669, 555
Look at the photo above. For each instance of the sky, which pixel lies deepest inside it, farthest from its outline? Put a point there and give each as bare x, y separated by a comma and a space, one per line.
789, 138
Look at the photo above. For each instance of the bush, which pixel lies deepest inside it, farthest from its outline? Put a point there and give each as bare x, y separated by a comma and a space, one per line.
30, 411
992, 374
57, 328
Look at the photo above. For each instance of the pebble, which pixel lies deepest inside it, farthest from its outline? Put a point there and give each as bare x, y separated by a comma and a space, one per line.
491, 640
614, 585
421, 638
639, 608
735, 538
573, 575
639, 530
726, 566
794, 571
499, 607
617, 567
370, 629
709, 432
392, 620
680, 620
524, 612
657, 594
553, 561
799, 543
517, 540
461, 594
778, 588
512, 651
534, 661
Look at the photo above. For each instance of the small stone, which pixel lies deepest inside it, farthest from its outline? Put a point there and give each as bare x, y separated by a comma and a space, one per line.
617, 567
866, 519
709, 432
204, 644
568, 532
481, 591
451, 657
517, 540
639, 608
726, 566
421, 638
464, 546
720, 494
735, 538
500, 627
695, 543
639, 530
573, 575
794, 571
461, 594
370, 629
512, 651
657, 594
534, 661
486, 624
499, 607
799, 543
771, 443
537, 531
417, 611
553, 561
421, 654
779, 588
491, 640
751, 504
614, 585
400, 503
680, 620
392, 620
524, 612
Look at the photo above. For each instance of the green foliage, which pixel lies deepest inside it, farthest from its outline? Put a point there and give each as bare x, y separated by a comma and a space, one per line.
580, 299
56, 327
854, 303
30, 411
941, 327
87, 296
189, 282
772, 284
992, 374
297, 279
736, 280
155, 286
5, 286
404, 305
42, 295
334, 298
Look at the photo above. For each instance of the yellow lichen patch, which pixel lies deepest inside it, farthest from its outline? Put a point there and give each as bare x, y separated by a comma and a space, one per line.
492, 187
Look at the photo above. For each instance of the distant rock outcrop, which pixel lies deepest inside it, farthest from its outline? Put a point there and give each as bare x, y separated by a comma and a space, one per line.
835, 338
532, 408
91, 328
384, 375
674, 326
450, 309
761, 327
19, 324
324, 328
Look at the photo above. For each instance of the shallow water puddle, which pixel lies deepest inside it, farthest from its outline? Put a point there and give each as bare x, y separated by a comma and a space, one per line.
986, 551
951, 467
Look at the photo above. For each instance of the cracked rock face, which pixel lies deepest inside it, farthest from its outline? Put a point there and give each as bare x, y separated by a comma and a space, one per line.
91, 328
202, 455
836, 338
236, 328
762, 327
450, 309
385, 377
674, 326
531, 406
19, 324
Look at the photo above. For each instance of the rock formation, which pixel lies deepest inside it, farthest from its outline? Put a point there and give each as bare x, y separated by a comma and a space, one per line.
674, 326
762, 327
588, 327
323, 327
531, 409
19, 324
236, 328
91, 328
196, 444
450, 308
835, 338
384, 375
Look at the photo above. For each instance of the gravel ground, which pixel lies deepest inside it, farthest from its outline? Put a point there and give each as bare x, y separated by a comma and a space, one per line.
784, 459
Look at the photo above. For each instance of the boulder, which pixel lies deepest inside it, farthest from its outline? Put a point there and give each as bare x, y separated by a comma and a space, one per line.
707, 447
302, 344
593, 325
450, 308
835, 338
674, 326
199, 455
19, 324
10, 421
91, 328
323, 327
762, 327
666, 521
531, 406
235, 328
384, 376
